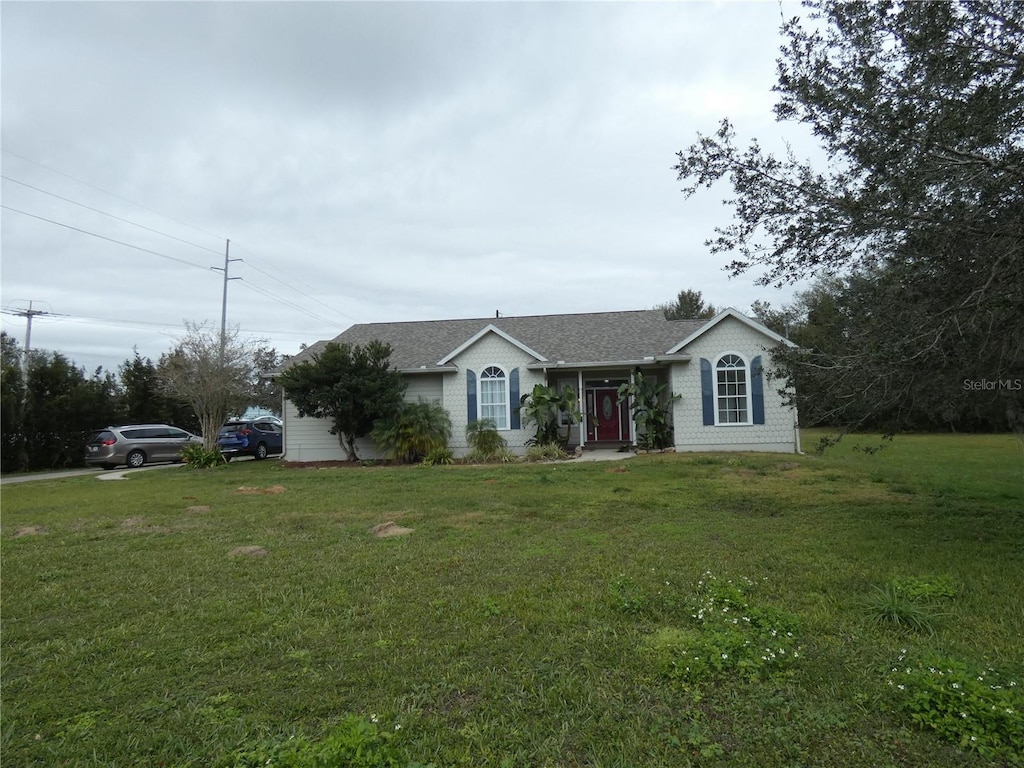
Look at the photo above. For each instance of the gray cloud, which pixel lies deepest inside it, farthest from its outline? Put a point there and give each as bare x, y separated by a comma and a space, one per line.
384, 161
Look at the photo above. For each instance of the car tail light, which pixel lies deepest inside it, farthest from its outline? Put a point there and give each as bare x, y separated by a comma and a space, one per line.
109, 441
245, 431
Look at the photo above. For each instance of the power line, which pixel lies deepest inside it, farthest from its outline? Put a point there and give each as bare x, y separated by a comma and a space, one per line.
108, 192
256, 288
111, 215
293, 288
120, 323
265, 292
284, 301
104, 237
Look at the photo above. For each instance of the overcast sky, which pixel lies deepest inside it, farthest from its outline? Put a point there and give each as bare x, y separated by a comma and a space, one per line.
368, 162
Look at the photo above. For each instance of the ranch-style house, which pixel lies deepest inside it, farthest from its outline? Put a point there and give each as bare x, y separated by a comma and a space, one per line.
479, 368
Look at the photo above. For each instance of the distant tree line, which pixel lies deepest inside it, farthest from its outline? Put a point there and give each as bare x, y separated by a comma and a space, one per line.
49, 405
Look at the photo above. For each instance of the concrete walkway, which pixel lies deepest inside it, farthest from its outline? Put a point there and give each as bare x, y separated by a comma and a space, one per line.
605, 454
100, 474
601, 454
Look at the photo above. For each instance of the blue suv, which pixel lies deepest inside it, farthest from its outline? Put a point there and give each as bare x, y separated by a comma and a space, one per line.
258, 438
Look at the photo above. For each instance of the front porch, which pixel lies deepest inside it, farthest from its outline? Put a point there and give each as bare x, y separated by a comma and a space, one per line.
606, 422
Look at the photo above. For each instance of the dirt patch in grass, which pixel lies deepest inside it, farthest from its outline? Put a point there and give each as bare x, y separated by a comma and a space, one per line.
251, 490
250, 550
385, 530
139, 525
198, 508
29, 530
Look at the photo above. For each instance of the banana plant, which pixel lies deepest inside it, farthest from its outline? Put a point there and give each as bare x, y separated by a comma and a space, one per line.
651, 406
543, 406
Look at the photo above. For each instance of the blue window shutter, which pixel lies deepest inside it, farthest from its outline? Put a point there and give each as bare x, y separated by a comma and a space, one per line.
471, 414
513, 397
757, 389
707, 392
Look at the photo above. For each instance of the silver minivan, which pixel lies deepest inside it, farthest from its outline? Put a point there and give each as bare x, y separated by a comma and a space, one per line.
137, 444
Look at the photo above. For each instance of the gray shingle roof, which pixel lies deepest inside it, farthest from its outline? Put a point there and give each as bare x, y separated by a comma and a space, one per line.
574, 339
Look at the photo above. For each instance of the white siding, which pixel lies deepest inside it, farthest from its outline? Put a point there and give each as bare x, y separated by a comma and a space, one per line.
428, 386
308, 439
490, 349
776, 434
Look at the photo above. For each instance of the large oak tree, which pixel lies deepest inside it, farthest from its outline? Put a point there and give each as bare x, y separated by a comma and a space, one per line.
919, 108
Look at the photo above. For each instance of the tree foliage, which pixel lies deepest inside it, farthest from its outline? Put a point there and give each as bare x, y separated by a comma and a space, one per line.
144, 400
212, 373
352, 385
689, 305
50, 407
920, 213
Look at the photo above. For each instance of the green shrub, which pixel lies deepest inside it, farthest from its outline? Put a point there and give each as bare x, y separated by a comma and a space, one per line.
199, 457
438, 456
413, 431
978, 709
546, 452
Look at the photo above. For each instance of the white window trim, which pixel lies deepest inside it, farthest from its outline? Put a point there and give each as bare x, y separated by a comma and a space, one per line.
749, 387
508, 394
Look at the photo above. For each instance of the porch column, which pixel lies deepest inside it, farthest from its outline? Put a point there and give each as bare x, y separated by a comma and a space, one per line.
629, 405
583, 408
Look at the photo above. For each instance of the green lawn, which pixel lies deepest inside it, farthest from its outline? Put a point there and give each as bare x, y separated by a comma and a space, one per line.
537, 615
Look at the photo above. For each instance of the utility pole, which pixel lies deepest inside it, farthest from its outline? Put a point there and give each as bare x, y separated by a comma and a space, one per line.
224, 302
28, 314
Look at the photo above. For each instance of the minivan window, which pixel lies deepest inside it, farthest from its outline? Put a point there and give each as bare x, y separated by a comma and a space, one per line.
134, 434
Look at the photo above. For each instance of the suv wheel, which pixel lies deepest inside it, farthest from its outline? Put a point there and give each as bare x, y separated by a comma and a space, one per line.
261, 451
136, 459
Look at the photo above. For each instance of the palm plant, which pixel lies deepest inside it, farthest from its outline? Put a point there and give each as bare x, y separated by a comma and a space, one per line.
414, 431
484, 440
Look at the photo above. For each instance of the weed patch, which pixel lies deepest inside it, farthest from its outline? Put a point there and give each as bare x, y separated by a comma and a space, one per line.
978, 709
728, 634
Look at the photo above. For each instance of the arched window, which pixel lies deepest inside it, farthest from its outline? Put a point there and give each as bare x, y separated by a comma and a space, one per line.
733, 390
494, 396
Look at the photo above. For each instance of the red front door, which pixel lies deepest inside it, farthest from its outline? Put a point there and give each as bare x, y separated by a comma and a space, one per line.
606, 417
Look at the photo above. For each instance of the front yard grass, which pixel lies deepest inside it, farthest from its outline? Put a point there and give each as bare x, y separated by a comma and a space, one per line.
537, 615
